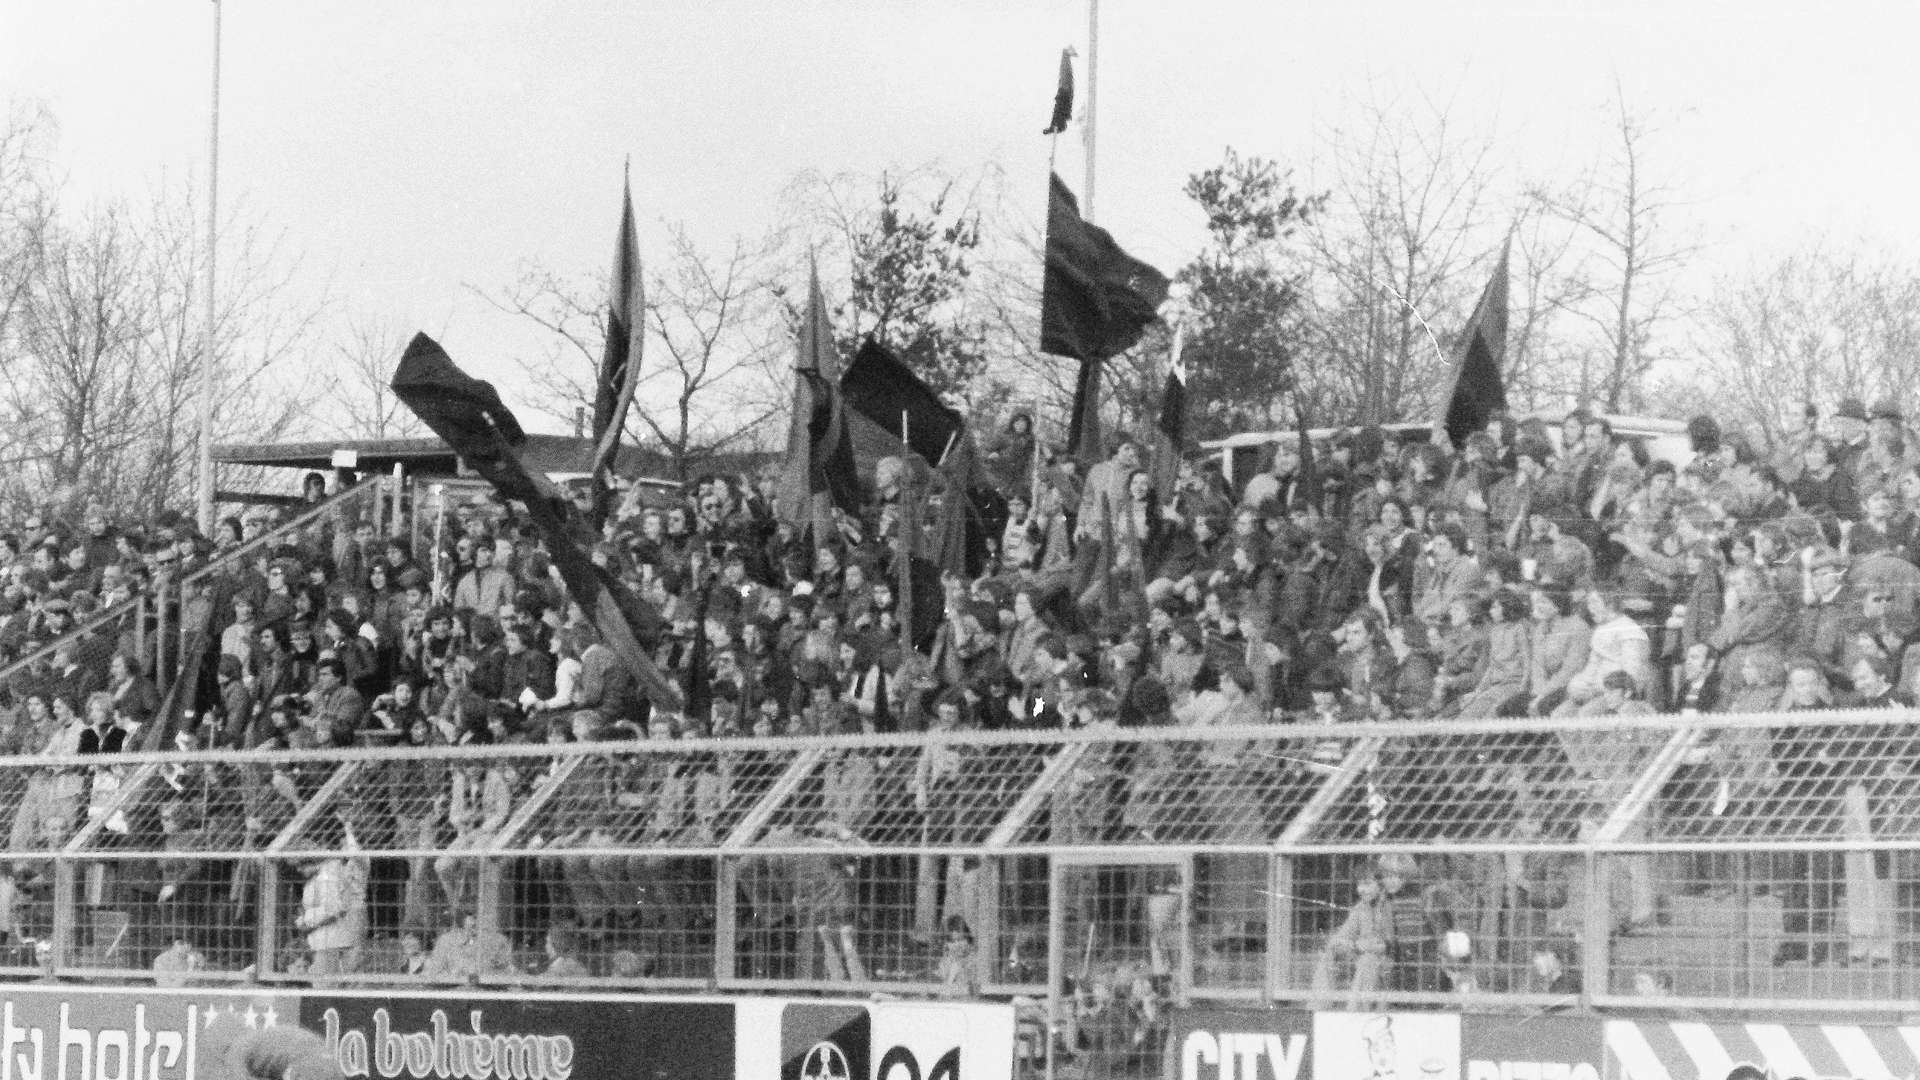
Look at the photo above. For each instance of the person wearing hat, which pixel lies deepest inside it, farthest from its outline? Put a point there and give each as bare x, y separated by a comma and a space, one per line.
1849, 431
1886, 453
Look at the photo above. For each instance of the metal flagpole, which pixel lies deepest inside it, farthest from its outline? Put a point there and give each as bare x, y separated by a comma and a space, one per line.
1093, 100
204, 484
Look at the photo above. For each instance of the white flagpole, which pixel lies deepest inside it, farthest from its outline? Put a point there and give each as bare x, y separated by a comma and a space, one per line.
204, 473
1093, 99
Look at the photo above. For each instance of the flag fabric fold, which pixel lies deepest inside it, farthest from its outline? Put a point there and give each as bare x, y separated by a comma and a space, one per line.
1478, 388
815, 352
1095, 299
1095, 302
830, 462
620, 361
1171, 424
960, 540
1063, 96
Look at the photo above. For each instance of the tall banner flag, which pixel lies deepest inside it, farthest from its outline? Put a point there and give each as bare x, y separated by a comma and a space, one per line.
620, 362
831, 467
815, 352
1062, 97
1478, 389
1095, 302
1172, 421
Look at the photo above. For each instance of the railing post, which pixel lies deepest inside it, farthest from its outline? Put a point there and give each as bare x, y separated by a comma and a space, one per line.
267, 944
726, 914
986, 946
66, 909
1279, 973
398, 493
161, 588
1597, 934
140, 634
489, 894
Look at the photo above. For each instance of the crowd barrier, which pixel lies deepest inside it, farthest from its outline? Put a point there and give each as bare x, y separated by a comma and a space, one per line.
56, 1032
1104, 876
1291, 1044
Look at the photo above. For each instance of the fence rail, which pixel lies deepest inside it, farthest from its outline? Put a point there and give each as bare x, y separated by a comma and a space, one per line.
1771, 858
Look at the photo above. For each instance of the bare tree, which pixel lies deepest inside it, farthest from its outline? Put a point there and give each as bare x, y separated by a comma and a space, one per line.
1624, 287
110, 346
365, 406
710, 379
1405, 228
1815, 326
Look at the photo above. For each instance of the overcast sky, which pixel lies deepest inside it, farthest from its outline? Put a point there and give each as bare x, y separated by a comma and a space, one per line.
410, 149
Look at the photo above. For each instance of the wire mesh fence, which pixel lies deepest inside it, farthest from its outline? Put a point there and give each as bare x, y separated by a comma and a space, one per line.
1768, 858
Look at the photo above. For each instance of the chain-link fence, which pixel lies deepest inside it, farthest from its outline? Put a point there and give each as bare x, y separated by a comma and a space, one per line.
1108, 874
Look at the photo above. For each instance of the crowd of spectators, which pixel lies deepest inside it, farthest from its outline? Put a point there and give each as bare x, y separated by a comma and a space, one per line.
1537, 570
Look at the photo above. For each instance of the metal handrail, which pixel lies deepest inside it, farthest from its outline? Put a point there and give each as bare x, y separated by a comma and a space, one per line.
221, 561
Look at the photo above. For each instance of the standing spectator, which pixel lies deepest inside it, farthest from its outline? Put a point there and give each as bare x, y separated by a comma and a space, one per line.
486, 587
333, 910
481, 800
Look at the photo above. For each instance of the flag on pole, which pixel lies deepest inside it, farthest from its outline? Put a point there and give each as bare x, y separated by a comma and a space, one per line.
830, 463
960, 541
881, 387
1478, 389
1095, 302
1172, 421
1173, 396
620, 362
815, 352
1062, 97
1085, 443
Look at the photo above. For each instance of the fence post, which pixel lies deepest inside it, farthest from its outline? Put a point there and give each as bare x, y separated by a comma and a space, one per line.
1597, 936
726, 915
267, 944
1279, 974
66, 908
140, 636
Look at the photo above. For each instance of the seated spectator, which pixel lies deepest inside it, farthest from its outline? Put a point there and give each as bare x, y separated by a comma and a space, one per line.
1618, 644
465, 953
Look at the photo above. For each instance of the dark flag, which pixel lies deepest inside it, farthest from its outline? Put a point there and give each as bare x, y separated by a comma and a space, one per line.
1095, 302
815, 352
695, 686
1478, 389
1172, 422
1306, 478
830, 463
1084, 441
960, 541
620, 362
442, 395
469, 416
881, 387
1063, 97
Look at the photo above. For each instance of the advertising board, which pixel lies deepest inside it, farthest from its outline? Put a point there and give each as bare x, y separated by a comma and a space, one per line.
64, 1032
1278, 1044
1240, 1044
447, 1037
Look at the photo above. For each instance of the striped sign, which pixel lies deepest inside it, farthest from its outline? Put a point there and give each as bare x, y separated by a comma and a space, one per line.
1683, 1050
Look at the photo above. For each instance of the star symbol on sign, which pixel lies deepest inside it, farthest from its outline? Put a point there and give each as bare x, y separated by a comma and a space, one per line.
253, 1017
206, 1018
270, 1017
